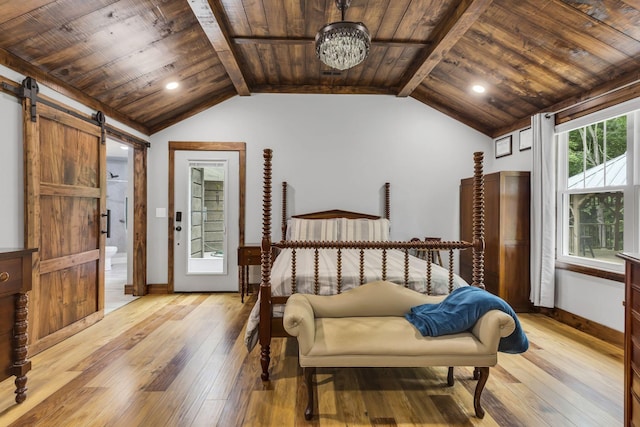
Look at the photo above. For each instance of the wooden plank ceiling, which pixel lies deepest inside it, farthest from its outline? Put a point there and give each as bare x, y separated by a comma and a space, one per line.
529, 54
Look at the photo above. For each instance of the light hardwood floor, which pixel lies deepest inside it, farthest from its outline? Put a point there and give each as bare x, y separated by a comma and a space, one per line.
179, 360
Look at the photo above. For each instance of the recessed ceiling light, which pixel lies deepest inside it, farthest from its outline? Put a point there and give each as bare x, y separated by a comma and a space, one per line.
172, 85
124, 147
478, 88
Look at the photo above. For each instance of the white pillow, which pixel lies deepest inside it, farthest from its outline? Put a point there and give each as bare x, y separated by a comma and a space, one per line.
313, 230
364, 230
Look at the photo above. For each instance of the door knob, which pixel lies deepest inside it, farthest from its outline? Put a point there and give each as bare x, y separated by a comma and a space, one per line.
178, 228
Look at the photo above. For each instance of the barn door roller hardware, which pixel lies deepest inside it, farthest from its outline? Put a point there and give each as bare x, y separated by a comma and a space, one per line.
29, 89
100, 119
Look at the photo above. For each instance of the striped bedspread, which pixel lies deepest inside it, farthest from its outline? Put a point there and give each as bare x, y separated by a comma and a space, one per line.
281, 275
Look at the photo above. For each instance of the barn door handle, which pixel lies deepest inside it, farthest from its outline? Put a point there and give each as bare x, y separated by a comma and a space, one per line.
108, 215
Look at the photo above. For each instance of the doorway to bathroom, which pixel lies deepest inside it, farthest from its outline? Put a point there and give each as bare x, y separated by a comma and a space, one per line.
119, 241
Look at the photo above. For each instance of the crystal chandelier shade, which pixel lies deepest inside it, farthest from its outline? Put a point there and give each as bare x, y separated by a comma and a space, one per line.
343, 45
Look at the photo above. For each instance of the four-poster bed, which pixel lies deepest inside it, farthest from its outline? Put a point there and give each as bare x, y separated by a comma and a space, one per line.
316, 256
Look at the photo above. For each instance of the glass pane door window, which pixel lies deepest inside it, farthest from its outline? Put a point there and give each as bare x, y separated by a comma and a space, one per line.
207, 213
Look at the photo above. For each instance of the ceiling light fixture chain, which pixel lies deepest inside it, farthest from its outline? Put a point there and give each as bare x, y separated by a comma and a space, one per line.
343, 5
343, 45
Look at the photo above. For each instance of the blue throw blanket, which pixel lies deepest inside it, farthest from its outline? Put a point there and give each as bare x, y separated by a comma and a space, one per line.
460, 310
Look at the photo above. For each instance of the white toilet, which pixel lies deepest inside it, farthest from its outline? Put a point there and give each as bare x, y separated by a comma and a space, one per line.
109, 252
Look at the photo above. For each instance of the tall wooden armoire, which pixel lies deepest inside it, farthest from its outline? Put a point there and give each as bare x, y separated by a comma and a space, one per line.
507, 219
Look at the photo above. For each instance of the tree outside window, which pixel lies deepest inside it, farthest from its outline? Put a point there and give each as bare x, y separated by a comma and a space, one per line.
596, 172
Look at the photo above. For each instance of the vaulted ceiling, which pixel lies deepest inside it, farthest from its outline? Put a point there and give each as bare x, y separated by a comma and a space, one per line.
530, 55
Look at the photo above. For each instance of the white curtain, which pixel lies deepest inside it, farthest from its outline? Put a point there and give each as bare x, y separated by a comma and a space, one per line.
543, 211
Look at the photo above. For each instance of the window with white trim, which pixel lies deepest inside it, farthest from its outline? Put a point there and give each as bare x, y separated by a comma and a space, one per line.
597, 203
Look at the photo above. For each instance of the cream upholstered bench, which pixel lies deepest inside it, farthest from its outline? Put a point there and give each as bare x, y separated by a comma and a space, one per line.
366, 327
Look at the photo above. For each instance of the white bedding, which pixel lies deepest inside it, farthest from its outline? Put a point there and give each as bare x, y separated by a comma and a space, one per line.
281, 276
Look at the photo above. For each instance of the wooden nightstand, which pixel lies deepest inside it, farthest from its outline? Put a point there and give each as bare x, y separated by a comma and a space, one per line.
249, 254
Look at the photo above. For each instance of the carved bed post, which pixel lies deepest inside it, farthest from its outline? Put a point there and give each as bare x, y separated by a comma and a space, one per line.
265, 266
387, 201
284, 210
478, 220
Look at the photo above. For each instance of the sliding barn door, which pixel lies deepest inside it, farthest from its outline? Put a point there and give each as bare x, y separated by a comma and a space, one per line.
65, 160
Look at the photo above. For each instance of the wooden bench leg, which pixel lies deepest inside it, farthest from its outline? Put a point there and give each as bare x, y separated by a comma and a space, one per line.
308, 377
450, 376
484, 376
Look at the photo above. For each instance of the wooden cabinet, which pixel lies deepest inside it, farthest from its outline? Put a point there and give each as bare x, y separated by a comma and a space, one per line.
15, 282
247, 255
632, 340
507, 229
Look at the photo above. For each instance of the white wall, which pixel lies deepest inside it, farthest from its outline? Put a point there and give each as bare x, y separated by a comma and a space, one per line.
335, 151
11, 173
517, 161
598, 300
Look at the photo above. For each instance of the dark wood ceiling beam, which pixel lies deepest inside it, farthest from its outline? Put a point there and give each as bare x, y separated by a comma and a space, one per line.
324, 89
211, 19
446, 35
308, 40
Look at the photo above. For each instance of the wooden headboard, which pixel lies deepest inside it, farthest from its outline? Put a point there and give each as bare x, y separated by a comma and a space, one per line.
333, 213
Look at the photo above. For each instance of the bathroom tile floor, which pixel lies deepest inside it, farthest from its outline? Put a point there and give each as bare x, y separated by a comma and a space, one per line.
114, 281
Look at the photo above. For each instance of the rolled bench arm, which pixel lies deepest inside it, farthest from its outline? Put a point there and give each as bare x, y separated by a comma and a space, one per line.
299, 321
492, 326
